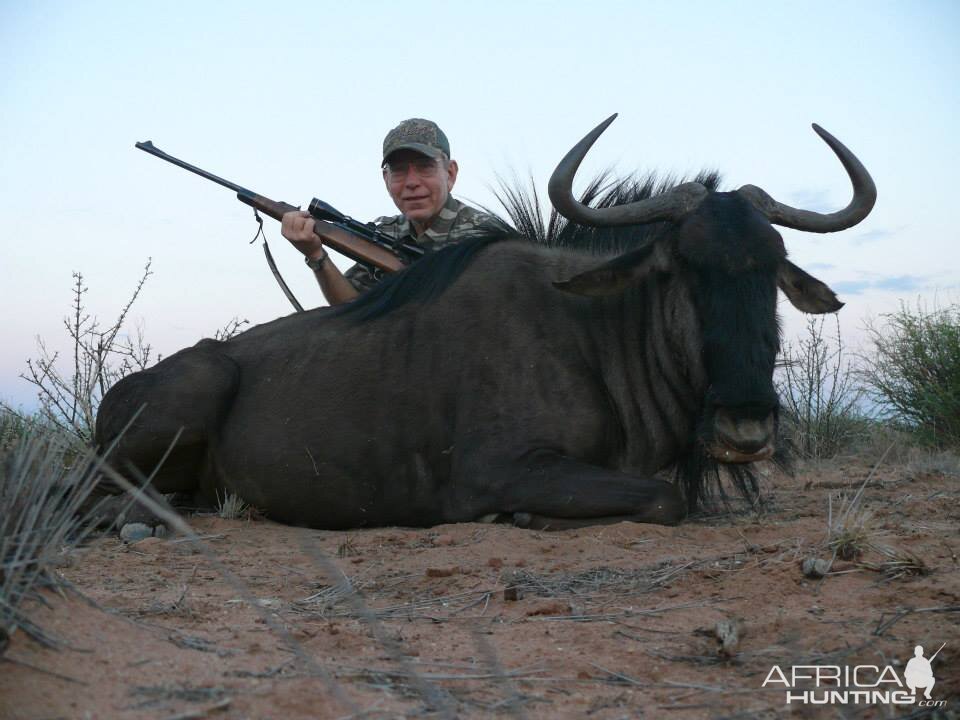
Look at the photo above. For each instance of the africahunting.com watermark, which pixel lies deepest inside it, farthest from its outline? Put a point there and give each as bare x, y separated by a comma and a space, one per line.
859, 684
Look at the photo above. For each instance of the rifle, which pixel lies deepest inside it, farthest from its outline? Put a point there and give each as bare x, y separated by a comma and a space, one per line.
360, 242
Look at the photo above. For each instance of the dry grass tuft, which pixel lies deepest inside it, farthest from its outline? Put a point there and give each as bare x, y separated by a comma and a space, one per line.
232, 507
850, 534
44, 483
897, 563
347, 548
853, 532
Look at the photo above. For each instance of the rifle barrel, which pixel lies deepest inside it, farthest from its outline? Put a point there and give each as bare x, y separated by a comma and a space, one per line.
357, 241
149, 147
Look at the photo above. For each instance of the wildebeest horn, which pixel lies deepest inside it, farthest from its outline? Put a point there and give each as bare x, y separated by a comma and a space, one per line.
668, 206
864, 196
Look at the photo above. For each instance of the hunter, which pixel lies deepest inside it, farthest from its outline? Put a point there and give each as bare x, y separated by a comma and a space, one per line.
419, 175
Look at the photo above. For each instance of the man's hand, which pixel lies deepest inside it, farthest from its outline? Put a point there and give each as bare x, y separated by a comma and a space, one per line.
297, 227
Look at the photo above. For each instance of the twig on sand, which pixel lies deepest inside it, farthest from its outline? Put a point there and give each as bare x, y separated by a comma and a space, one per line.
201, 712
363, 713
196, 538
431, 695
518, 673
38, 669
620, 676
159, 507
615, 617
885, 624
514, 699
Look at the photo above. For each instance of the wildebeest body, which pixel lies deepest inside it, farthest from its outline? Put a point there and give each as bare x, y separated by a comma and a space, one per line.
439, 412
531, 380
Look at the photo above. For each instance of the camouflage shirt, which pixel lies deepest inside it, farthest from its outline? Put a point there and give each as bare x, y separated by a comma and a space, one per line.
455, 222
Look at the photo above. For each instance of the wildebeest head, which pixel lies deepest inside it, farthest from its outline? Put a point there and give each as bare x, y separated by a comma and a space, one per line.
725, 245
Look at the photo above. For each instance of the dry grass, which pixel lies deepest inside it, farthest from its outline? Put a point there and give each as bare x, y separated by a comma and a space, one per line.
851, 533
896, 563
232, 507
44, 485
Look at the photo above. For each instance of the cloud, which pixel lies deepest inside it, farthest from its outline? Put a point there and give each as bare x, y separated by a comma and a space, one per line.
851, 287
899, 283
875, 235
815, 200
819, 266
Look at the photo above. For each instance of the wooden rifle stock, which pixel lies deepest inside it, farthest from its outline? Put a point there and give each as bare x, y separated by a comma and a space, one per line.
348, 243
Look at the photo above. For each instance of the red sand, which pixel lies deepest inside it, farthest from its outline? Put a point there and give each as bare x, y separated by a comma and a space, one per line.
614, 622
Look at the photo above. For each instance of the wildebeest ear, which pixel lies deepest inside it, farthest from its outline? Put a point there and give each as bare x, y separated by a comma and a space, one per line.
614, 276
806, 292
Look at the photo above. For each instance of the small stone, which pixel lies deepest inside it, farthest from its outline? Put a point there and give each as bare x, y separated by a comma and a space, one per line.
442, 572
522, 519
131, 532
815, 567
513, 591
444, 540
495, 562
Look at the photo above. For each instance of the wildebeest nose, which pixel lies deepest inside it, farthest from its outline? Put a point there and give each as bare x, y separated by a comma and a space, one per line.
747, 435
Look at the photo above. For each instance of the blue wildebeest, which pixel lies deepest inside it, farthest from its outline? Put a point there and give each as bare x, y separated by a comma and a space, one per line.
499, 376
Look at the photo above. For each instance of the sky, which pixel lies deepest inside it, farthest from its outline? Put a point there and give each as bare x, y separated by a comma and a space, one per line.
292, 100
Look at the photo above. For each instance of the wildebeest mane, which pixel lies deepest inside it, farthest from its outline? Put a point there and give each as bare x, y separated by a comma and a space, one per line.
525, 212
430, 276
424, 280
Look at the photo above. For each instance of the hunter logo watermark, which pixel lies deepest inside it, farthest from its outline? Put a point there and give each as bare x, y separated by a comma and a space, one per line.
858, 684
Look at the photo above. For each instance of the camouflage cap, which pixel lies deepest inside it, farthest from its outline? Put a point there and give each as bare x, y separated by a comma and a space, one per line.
423, 136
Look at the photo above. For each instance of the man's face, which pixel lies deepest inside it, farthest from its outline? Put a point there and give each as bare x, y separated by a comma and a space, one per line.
419, 185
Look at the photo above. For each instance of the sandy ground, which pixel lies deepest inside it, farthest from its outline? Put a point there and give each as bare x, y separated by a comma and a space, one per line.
608, 622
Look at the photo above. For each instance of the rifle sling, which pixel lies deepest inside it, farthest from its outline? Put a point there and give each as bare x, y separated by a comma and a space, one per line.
273, 265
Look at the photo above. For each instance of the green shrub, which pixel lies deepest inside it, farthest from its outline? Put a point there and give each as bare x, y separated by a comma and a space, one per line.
913, 372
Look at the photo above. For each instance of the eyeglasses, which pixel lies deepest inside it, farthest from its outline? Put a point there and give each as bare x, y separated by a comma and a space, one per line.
425, 167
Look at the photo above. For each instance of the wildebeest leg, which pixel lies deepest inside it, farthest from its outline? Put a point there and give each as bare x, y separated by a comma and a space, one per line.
188, 393
557, 487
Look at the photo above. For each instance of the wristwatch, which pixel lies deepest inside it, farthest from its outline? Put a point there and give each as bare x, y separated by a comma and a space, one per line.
316, 263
